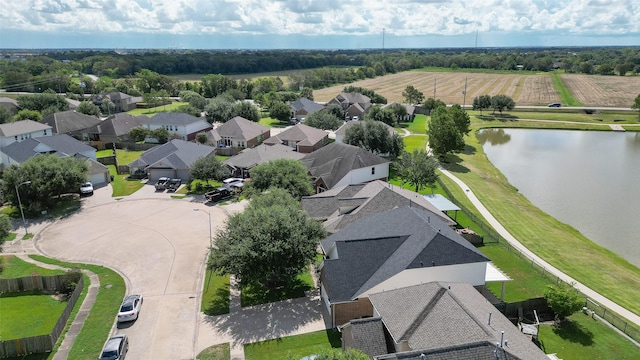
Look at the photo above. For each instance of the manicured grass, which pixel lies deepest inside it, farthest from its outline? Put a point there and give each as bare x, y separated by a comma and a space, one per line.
583, 337
294, 346
126, 156
598, 119
28, 314
104, 153
215, 294
122, 185
418, 125
222, 158
215, 352
98, 324
254, 294
272, 123
415, 142
14, 267
566, 97
158, 109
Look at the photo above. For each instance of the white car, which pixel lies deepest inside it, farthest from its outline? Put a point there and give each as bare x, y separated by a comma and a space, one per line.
226, 183
130, 308
86, 189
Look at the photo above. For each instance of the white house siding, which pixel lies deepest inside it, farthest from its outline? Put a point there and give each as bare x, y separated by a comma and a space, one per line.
473, 273
364, 175
7, 140
325, 298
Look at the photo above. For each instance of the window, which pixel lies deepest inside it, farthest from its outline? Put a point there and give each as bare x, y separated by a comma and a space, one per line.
45, 133
373, 171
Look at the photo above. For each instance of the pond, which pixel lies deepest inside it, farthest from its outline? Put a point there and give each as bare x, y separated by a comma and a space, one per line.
587, 179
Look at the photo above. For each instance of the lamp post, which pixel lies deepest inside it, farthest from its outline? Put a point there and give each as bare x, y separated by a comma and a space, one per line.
24, 222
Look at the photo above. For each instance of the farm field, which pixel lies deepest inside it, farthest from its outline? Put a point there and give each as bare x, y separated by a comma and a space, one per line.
597, 90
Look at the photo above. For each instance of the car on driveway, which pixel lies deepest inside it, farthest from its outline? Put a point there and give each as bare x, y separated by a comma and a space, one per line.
86, 189
218, 194
116, 348
226, 183
130, 308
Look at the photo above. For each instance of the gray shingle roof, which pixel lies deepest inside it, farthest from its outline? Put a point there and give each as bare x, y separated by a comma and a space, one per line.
300, 133
21, 127
451, 318
332, 162
240, 128
62, 145
380, 246
306, 104
117, 125
70, 121
172, 118
176, 154
249, 158
367, 336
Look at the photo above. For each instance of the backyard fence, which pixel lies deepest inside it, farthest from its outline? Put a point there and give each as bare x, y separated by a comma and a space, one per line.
492, 236
43, 343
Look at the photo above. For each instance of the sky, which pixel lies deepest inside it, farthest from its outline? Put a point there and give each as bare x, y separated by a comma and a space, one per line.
316, 24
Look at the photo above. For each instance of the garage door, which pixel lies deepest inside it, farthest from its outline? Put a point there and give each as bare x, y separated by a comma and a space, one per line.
99, 179
155, 174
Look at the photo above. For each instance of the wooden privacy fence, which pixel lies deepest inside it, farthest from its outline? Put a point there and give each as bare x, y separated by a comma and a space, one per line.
43, 343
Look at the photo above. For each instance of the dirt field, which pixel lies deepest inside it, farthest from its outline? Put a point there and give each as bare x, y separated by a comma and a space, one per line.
614, 91
523, 89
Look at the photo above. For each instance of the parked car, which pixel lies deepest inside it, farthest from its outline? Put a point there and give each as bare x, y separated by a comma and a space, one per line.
86, 189
116, 348
130, 308
174, 184
355, 118
218, 194
162, 182
226, 183
554, 105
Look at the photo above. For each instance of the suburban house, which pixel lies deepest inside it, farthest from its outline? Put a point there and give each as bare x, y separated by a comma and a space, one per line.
172, 159
302, 138
71, 123
62, 145
352, 104
121, 101
176, 123
346, 204
397, 248
242, 163
10, 104
341, 164
115, 128
240, 133
411, 110
21, 130
342, 130
437, 320
303, 107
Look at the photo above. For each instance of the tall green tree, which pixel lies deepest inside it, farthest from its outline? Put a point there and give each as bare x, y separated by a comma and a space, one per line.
418, 169
386, 115
324, 120
138, 134
5, 229
88, 108
208, 168
412, 95
482, 102
307, 92
5, 115
160, 134
460, 117
280, 111
286, 174
444, 136
43, 101
564, 300
502, 102
246, 110
26, 114
219, 109
269, 243
374, 136
431, 104
636, 105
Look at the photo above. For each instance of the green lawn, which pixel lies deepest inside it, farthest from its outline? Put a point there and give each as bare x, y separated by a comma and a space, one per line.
122, 185
98, 324
215, 294
152, 111
253, 294
417, 126
215, 352
566, 97
295, 346
14, 267
123, 156
28, 314
272, 123
412, 142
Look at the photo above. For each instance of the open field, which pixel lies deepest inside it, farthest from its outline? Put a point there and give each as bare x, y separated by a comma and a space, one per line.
614, 91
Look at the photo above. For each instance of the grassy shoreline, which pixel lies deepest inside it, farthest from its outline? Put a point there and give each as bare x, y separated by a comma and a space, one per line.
557, 243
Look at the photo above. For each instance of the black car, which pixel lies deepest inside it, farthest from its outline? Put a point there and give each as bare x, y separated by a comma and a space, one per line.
218, 194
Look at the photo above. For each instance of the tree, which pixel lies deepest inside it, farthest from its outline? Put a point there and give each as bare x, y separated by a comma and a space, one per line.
246, 110
324, 120
418, 169
398, 110
269, 243
432, 104
377, 113
286, 174
444, 135
5, 229
502, 102
636, 105
201, 138
564, 300
481, 102
138, 134
307, 92
50, 176
26, 114
280, 111
160, 134
412, 95
219, 109
374, 136
88, 108
42, 101
461, 118
5, 115
208, 168
107, 106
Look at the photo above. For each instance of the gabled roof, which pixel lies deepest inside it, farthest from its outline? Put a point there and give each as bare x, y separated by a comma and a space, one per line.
378, 247
21, 127
306, 104
302, 134
341, 208
249, 158
176, 154
410, 108
62, 145
332, 162
367, 335
173, 118
451, 318
69, 121
342, 130
240, 128
117, 125
353, 98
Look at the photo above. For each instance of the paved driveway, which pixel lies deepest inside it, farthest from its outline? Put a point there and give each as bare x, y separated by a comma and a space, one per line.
159, 245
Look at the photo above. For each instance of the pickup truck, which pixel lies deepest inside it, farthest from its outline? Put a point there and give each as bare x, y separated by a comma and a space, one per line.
162, 183
218, 194
174, 184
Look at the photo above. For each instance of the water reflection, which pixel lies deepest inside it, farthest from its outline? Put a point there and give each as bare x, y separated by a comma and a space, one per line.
493, 136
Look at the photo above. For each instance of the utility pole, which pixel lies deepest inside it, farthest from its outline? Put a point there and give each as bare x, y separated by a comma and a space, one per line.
434, 89
464, 93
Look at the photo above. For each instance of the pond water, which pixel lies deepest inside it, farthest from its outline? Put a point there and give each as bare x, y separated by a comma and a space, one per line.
587, 179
